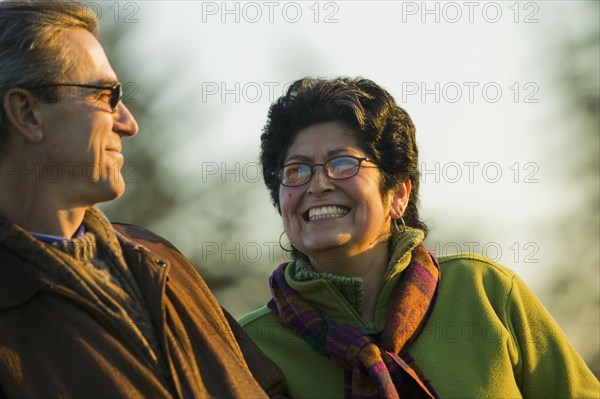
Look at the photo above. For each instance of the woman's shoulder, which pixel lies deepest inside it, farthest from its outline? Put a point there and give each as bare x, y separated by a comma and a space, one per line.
473, 266
478, 278
258, 316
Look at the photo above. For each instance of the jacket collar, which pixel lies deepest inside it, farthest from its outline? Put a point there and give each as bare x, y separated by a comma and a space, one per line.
18, 281
329, 293
149, 270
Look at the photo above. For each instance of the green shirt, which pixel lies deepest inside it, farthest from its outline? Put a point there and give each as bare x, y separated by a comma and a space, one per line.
487, 337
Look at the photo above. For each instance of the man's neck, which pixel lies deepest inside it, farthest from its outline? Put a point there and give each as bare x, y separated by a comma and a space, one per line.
39, 212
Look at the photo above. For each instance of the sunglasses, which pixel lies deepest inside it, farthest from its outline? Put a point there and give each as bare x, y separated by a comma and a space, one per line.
116, 91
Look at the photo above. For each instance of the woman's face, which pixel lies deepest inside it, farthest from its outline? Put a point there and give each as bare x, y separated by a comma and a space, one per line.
348, 216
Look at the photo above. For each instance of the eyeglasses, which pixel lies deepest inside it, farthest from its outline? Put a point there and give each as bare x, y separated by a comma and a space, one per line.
338, 168
116, 91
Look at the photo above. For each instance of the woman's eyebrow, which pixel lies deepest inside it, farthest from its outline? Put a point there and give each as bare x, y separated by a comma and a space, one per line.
341, 151
330, 154
297, 158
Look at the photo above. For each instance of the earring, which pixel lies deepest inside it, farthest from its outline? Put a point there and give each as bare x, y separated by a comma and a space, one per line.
395, 221
280, 245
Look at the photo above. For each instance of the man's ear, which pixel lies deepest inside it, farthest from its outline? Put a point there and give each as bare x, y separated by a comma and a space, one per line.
400, 199
22, 114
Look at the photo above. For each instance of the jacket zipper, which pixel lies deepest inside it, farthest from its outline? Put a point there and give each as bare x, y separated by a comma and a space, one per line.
364, 324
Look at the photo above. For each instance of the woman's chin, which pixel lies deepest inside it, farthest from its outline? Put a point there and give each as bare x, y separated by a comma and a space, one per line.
313, 247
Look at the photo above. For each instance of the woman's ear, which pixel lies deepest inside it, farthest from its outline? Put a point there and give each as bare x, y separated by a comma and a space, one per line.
400, 199
20, 108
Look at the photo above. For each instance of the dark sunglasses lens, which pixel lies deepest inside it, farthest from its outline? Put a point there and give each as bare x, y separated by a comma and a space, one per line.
116, 95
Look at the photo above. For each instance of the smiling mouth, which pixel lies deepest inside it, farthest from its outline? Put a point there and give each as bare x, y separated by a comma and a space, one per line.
324, 212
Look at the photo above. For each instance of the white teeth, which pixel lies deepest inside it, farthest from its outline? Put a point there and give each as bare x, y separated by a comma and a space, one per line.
327, 212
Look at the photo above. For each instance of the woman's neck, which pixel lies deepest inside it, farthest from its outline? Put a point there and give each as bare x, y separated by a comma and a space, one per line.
369, 266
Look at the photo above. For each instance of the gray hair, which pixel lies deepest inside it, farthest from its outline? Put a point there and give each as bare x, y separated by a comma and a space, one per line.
31, 52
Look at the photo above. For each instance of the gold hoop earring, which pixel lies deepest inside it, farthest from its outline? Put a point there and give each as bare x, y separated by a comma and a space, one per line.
395, 221
280, 245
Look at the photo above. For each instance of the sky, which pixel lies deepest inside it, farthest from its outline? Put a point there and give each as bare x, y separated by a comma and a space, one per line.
472, 75
477, 77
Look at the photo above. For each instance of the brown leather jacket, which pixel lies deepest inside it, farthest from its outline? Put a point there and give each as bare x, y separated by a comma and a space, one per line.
54, 344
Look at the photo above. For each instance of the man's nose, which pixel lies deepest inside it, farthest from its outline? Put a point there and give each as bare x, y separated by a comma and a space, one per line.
125, 122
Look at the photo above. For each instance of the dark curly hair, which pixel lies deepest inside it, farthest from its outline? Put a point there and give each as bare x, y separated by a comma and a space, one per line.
384, 130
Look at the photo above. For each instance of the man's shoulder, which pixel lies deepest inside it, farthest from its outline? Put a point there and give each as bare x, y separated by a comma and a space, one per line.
182, 273
136, 232
135, 238
141, 235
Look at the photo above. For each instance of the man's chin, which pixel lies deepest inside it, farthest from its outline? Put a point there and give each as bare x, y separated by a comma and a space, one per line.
110, 193
118, 192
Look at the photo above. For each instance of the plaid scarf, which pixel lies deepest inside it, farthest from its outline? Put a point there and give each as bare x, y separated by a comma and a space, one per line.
372, 367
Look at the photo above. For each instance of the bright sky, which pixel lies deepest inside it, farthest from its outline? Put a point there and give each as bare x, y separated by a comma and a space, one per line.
477, 77
474, 76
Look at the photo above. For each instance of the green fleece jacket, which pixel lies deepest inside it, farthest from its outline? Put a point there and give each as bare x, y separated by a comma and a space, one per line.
487, 337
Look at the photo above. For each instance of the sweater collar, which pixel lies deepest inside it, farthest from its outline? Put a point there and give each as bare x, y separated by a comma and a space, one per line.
51, 239
20, 278
342, 297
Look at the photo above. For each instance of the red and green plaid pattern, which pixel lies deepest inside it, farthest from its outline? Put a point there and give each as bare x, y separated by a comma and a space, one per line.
374, 367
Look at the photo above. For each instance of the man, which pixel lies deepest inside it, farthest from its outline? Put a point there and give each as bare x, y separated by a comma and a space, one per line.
90, 309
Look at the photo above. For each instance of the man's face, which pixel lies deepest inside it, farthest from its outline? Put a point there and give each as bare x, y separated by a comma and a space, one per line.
82, 134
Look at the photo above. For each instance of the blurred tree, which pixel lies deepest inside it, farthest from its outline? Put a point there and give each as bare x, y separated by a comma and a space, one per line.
147, 199
574, 288
194, 215
154, 195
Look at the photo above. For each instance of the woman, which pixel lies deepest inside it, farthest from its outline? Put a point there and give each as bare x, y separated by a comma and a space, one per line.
363, 309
